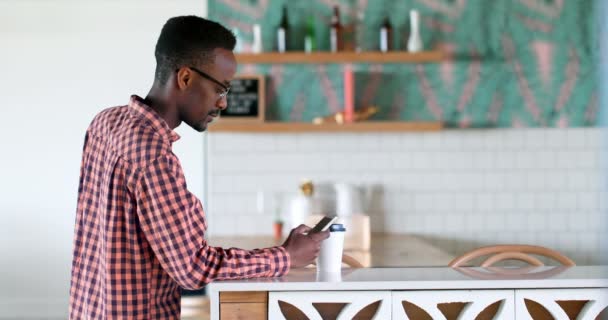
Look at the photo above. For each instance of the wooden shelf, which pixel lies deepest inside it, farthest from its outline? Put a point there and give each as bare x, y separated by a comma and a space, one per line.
340, 57
296, 127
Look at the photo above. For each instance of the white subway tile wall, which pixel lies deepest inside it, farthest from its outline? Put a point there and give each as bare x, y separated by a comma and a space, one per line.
457, 188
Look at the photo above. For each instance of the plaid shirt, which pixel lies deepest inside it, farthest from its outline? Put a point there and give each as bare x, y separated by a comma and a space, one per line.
139, 232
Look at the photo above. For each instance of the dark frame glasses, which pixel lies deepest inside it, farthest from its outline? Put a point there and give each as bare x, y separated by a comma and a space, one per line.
210, 78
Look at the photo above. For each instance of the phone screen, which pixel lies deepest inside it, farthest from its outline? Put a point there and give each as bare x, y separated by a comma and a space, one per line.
323, 224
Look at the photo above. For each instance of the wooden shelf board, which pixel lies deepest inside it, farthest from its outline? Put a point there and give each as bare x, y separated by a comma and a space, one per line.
340, 57
291, 127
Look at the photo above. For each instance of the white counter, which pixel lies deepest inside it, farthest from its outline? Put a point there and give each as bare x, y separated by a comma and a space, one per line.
391, 291
422, 279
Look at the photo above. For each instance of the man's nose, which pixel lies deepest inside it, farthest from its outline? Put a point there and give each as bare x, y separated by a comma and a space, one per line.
222, 103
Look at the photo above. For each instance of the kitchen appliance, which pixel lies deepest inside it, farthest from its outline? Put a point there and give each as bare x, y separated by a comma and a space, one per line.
350, 203
349, 199
303, 205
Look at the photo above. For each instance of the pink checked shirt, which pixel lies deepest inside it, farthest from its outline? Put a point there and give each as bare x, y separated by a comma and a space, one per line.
139, 232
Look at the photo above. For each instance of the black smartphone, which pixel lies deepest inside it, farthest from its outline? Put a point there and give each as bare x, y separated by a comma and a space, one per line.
323, 224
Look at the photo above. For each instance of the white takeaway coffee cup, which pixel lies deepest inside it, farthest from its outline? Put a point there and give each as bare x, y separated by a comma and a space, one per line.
330, 256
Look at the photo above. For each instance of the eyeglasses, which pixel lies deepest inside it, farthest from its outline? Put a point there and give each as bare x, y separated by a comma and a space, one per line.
208, 77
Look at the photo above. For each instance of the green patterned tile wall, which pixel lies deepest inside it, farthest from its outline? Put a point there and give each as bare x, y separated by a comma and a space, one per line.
511, 63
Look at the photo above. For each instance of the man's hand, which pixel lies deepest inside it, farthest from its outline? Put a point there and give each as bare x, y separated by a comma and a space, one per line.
304, 248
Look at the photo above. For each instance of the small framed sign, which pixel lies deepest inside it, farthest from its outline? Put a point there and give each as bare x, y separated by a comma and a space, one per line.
246, 100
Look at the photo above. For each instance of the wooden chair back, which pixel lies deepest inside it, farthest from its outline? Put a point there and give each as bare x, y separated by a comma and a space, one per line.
518, 252
351, 262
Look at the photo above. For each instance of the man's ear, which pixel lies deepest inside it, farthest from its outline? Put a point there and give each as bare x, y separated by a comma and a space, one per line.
184, 78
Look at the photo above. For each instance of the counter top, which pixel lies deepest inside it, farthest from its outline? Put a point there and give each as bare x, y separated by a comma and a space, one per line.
425, 279
387, 250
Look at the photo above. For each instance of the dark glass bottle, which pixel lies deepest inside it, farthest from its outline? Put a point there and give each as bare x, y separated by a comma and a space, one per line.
283, 32
335, 36
386, 35
310, 41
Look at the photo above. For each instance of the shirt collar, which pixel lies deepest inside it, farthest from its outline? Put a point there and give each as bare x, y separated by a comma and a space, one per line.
139, 109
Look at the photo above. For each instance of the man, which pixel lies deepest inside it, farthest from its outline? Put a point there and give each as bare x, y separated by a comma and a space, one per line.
139, 233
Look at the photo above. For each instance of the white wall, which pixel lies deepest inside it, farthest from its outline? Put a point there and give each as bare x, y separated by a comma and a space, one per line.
458, 188
61, 62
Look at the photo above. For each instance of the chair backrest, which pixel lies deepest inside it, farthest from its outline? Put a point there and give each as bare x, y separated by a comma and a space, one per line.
519, 252
351, 262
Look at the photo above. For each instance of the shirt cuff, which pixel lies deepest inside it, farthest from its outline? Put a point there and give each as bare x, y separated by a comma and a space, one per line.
280, 261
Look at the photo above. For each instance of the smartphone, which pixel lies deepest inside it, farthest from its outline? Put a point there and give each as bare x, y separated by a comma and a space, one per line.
323, 224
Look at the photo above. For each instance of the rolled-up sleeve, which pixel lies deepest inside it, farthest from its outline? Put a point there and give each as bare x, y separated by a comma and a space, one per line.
173, 221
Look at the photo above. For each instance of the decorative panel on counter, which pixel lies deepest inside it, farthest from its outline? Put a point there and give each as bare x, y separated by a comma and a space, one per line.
583, 304
338, 305
453, 304
420, 293
520, 63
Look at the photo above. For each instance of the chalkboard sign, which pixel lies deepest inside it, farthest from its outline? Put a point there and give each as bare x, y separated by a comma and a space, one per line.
245, 99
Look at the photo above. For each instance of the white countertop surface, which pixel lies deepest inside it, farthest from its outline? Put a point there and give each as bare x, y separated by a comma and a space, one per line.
433, 278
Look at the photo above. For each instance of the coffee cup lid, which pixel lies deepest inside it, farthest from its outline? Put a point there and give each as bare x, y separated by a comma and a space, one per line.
337, 227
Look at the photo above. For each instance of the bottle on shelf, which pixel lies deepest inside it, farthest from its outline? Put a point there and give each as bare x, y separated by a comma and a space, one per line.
360, 31
386, 35
335, 36
238, 47
282, 32
310, 40
257, 39
414, 43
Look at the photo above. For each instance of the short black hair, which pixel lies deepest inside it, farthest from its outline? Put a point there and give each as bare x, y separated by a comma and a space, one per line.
189, 40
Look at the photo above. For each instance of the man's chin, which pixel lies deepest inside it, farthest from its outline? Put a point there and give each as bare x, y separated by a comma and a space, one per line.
200, 127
